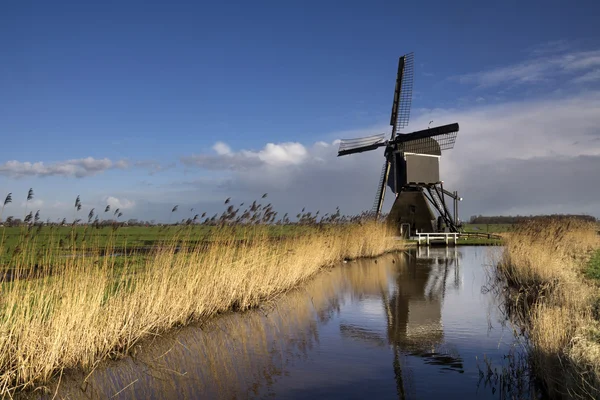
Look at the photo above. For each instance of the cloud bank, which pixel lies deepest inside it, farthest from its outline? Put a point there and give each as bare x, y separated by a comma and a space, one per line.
77, 168
526, 157
578, 67
277, 155
520, 157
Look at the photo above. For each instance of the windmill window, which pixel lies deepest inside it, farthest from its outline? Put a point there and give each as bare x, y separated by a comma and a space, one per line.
412, 209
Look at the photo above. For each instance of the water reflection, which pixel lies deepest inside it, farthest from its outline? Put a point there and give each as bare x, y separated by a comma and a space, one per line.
402, 326
414, 313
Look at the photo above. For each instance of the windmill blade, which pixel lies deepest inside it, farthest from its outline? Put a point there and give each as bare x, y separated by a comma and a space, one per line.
383, 180
403, 93
358, 145
428, 141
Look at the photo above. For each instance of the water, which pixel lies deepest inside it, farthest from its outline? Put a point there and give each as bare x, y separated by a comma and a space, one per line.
410, 325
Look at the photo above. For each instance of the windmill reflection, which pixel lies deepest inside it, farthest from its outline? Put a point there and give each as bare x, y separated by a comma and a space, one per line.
413, 308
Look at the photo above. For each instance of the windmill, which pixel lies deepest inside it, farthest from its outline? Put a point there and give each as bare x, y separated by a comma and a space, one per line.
411, 168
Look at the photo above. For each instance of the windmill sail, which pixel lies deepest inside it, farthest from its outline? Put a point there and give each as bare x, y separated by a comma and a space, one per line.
429, 141
351, 146
381, 188
403, 93
399, 119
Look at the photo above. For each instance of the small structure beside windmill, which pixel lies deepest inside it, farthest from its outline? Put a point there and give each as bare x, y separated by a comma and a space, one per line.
412, 165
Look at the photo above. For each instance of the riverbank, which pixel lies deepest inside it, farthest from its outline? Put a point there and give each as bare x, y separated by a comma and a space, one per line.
550, 269
92, 307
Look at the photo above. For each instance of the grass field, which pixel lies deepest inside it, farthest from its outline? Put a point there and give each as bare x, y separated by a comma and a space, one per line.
62, 240
131, 236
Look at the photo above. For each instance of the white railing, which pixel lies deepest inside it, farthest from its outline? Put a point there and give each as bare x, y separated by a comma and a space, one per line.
446, 237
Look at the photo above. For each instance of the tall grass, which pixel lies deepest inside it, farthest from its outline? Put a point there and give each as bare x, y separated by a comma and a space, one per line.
240, 355
545, 263
77, 308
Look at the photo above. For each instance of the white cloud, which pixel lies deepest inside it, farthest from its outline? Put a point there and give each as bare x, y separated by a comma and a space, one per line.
281, 154
591, 76
122, 164
122, 203
221, 148
581, 60
153, 166
78, 168
34, 203
524, 130
553, 46
535, 70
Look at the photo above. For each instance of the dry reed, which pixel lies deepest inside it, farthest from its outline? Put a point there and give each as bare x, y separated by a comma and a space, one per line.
240, 354
84, 308
544, 262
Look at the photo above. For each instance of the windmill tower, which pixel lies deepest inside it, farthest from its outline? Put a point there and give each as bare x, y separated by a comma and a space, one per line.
412, 164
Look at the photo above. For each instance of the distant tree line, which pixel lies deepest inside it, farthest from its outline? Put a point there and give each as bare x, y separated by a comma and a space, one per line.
515, 219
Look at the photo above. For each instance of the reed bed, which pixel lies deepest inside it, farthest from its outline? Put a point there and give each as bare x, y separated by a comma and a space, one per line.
545, 264
241, 354
77, 308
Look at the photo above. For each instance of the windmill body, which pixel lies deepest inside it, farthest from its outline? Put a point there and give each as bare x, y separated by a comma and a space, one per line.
412, 165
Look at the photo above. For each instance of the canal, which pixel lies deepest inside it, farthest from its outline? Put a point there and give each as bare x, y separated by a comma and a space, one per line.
417, 324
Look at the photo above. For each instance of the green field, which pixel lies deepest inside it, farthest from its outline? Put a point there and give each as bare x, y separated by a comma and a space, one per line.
135, 236
43, 242
487, 228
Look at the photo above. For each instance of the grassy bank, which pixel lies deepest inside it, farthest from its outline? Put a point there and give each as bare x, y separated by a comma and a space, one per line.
78, 308
551, 266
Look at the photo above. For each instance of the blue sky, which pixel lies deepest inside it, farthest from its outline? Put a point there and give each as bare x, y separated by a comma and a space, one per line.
127, 99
